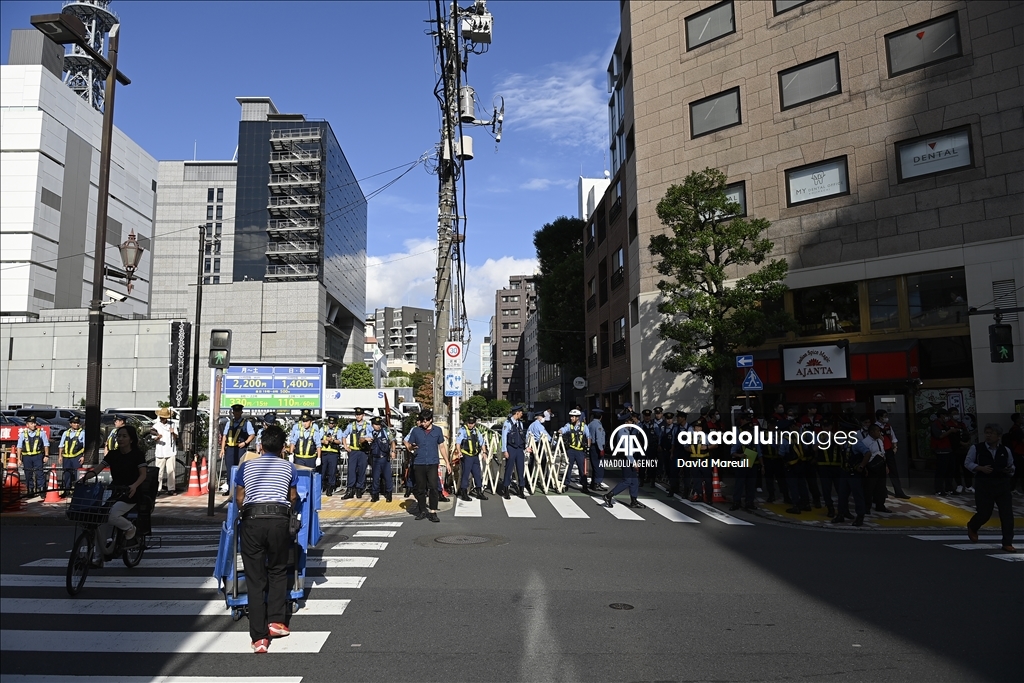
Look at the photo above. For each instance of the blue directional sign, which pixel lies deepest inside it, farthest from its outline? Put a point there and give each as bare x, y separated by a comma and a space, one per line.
752, 382
744, 361
453, 382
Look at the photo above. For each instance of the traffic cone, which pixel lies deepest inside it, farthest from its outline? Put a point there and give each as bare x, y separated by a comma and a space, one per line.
193, 482
716, 487
52, 488
204, 478
12, 486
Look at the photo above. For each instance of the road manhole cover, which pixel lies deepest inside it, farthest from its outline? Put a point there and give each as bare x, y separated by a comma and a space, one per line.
462, 540
620, 605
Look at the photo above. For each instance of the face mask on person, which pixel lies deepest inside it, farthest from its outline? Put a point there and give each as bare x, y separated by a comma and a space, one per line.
885, 419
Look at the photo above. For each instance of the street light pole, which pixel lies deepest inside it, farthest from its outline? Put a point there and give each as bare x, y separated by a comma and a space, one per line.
94, 374
195, 347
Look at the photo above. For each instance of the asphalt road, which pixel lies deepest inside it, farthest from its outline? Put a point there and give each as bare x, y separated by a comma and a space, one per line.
708, 601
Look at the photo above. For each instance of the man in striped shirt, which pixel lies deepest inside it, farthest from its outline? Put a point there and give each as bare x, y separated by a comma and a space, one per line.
265, 492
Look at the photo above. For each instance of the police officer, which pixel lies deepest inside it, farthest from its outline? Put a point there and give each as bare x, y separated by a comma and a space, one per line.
597, 446
791, 452
774, 471
330, 451
540, 434
577, 443
265, 494
72, 448
238, 434
34, 448
851, 481
513, 445
745, 479
356, 441
119, 421
652, 429
674, 451
830, 466
891, 444
470, 445
382, 451
630, 480
305, 441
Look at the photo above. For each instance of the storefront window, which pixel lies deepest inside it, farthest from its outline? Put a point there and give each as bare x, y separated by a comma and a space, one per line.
832, 309
883, 303
938, 298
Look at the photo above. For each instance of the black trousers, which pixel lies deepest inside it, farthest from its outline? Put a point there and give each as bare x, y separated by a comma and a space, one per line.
874, 487
775, 473
426, 484
265, 546
894, 472
829, 475
988, 493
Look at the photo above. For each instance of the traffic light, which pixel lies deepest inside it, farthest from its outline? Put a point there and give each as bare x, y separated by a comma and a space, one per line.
1000, 343
220, 349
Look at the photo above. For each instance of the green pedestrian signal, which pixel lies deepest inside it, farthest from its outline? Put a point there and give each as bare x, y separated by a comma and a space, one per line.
1000, 342
220, 349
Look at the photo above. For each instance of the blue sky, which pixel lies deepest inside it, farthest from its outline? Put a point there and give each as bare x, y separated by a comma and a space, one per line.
368, 69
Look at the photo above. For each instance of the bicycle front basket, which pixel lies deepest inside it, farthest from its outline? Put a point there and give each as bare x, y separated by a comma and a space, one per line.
86, 503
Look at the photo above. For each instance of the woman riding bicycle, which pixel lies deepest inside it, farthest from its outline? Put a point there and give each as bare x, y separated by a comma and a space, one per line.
127, 463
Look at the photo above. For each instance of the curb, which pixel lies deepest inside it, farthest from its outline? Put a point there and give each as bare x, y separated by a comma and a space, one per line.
157, 520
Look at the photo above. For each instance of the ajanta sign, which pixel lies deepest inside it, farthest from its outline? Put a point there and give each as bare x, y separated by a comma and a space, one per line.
826, 362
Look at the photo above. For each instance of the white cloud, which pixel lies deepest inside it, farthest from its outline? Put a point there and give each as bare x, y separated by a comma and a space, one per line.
568, 102
545, 183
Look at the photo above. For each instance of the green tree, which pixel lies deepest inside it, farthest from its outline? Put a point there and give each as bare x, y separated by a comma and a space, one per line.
425, 391
475, 406
707, 320
561, 336
417, 379
356, 376
499, 408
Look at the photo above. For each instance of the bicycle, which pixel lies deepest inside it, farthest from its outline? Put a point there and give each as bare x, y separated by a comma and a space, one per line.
89, 507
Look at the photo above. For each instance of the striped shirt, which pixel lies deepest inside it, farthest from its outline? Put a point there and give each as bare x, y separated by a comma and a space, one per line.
267, 479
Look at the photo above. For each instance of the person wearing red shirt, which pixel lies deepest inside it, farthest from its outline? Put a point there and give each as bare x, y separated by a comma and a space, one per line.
942, 432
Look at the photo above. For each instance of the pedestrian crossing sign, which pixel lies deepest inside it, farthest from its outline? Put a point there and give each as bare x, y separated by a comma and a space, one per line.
752, 382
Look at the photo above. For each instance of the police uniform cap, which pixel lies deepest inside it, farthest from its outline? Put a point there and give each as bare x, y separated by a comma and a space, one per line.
270, 418
117, 418
331, 419
658, 409
74, 419
627, 404
668, 415
517, 409
358, 411
646, 411
306, 416
376, 421
680, 412
237, 406
471, 420
597, 411
30, 419
574, 412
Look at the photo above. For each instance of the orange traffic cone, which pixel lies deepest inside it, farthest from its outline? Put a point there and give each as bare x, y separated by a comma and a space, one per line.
204, 478
193, 482
716, 487
52, 488
12, 486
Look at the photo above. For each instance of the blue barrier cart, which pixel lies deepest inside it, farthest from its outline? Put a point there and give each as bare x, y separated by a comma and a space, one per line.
228, 572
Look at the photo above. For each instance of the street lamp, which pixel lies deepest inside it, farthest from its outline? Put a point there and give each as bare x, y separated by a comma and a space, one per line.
131, 255
65, 29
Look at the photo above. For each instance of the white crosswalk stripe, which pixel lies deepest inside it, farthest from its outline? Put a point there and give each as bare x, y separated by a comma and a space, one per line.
168, 582
619, 511
33, 678
667, 511
208, 562
149, 608
470, 509
146, 642
985, 542
367, 533
567, 508
517, 507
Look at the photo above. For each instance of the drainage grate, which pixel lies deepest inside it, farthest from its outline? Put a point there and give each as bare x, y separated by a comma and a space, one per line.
462, 540
620, 605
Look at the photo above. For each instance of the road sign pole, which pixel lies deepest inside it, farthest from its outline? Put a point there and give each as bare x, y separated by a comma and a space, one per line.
214, 463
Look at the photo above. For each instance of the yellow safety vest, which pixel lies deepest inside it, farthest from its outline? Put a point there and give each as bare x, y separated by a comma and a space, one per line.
33, 443
576, 437
305, 444
73, 448
831, 456
111, 440
330, 447
237, 433
354, 436
470, 446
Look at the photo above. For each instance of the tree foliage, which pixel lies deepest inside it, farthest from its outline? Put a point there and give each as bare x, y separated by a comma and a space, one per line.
560, 301
499, 408
356, 376
707, 319
425, 391
475, 406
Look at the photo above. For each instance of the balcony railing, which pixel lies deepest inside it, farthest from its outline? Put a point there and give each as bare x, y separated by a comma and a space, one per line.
293, 248
592, 360
295, 133
293, 270
619, 347
592, 302
617, 277
590, 246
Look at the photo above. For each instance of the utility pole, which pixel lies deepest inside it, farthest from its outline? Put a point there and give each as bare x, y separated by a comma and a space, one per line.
194, 399
462, 32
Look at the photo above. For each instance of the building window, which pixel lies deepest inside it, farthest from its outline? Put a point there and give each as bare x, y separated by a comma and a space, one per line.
514, 312
220, 194
505, 380
737, 193
883, 304
830, 309
929, 42
209, 213
215, 280
619, 337
634, 312
592, 356
810, 81
817, 181
602, 226
504, 326
206, 265
786, 5
618, 267
216, 230
216, 265
513, 326
209, 194
515, 285
592, 293
603, 333
633, 227
710, 24
504, 299
933, 154
513, 299
715, 113
602, 282
220, 212
937, 298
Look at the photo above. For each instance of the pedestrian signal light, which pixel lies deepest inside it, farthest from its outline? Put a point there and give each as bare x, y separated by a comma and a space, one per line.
220, 349
1000, 343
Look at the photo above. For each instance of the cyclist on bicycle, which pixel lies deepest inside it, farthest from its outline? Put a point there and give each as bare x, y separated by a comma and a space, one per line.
127, 465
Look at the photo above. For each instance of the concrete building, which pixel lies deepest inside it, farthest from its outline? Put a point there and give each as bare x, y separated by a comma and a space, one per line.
284, 266
882, 141
590, 191
49, 172
46, 360
485, 364
406, 336
512, 307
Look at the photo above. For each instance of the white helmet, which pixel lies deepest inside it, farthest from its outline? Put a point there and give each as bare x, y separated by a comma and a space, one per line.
574, 412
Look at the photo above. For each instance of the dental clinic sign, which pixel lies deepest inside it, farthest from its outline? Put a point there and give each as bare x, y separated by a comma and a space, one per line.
934, 154
824, 362
817, 181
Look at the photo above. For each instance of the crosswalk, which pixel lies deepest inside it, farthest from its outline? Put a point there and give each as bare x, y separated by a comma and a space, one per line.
985, 542
592, 507
334, 571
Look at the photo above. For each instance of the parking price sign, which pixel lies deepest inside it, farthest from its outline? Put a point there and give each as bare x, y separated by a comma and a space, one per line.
273, 386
